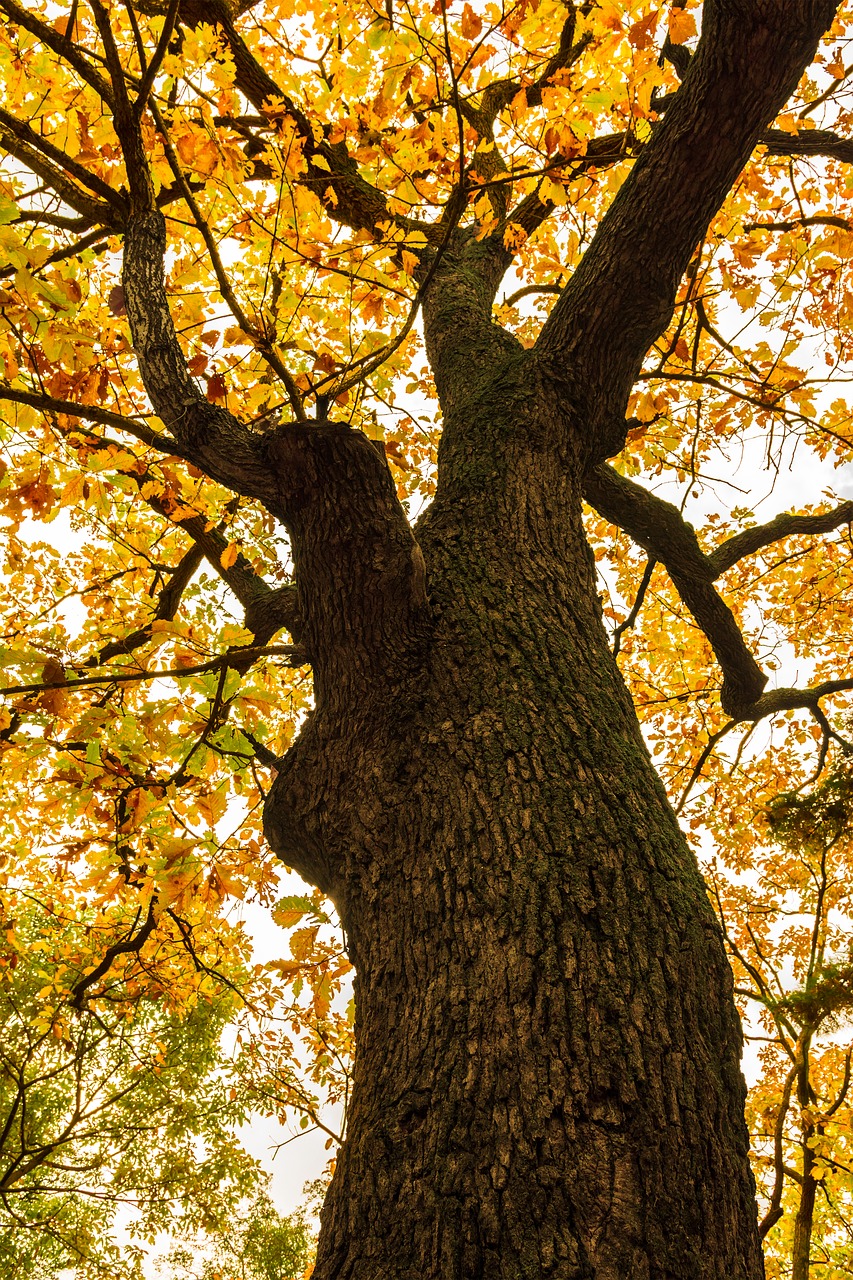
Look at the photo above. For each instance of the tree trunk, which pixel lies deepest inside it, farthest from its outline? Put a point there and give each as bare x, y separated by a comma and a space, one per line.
547, 1077
811, 1132
547, 1074
801, 1250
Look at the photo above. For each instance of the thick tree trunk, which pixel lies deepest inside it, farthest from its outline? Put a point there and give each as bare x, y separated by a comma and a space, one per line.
547, 1079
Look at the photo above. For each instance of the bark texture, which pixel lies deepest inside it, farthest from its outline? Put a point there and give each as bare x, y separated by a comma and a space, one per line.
547, 1078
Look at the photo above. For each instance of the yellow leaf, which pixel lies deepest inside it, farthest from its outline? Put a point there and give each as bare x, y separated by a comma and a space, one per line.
551, 192
229, 556
514, 236
682, 26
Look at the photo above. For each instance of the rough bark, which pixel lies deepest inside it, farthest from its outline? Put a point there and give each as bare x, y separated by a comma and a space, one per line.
547, 1079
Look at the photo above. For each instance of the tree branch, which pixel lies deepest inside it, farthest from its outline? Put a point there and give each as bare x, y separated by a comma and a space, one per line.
90, 413
360, 573
34, 142
268, 609
61, 45
214, 439
258, 338
785, 525
356, 202
94, 211
622, 295
296, 656
810, 142
636, 607
168, 602
661, 530
132, 944
775, 1210
153, 67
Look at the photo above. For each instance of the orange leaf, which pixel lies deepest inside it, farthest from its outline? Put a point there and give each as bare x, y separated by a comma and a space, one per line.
682, 26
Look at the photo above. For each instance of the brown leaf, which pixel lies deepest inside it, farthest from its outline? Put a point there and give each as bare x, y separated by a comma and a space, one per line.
216, 389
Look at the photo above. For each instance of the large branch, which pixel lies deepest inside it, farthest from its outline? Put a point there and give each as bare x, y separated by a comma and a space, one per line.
15, 129
356, 203
747, 64
217, 442
89, 413
614, 148
267, 609
809, 142
463, 341
784, 525
360, 573
661, 530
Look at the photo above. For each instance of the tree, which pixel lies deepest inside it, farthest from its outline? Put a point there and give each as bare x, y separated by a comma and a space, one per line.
262, 1245
790, 936
547, 1080
107, 1112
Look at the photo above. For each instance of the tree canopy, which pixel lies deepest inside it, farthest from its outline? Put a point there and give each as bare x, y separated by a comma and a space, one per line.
217, 218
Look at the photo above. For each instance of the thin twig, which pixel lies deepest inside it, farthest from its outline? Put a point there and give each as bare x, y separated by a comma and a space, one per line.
637, 606
298, 657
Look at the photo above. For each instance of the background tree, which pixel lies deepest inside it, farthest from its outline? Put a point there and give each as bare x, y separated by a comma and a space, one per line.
261, 1245
790, 933
109, 1114
547, 1076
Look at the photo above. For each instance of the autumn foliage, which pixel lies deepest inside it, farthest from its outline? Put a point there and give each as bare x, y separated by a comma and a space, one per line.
313, 164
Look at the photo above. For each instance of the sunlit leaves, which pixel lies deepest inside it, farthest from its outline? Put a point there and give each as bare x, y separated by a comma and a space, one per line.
138, 797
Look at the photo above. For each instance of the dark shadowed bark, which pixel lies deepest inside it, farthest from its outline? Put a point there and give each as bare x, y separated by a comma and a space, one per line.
547, 1078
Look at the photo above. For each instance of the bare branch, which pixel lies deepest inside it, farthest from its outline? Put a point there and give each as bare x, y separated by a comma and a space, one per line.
704, 756
845, 1085
636, 607
818, 220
